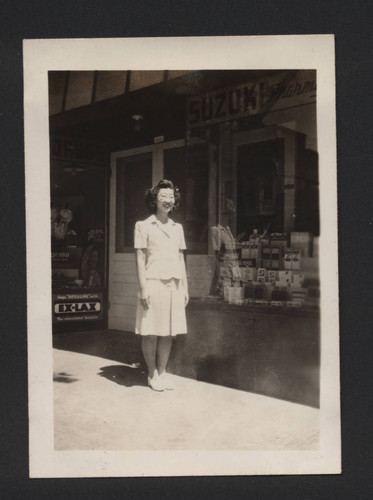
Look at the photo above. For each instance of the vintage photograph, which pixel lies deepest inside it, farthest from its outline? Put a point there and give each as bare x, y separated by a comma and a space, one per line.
185, 274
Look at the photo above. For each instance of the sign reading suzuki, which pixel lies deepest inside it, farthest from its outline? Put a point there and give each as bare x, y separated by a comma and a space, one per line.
266, 95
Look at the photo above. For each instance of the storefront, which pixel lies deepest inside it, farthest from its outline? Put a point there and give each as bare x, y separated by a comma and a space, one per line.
79, 184
242, 148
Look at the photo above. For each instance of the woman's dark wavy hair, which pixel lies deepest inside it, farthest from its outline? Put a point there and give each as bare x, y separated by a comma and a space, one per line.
152, 193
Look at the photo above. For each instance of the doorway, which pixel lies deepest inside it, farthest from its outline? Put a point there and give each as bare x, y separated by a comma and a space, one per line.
132, 172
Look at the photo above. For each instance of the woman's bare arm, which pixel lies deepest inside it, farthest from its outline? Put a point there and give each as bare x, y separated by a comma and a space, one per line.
184, 280
140, 265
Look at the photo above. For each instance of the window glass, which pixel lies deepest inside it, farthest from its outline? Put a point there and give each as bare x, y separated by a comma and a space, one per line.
188, 170
134, 176
197, 192
78, 219
175, 171
260, 169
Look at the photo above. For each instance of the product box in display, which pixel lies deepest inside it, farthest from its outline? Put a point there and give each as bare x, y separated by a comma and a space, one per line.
266, 257
247, 274
251, 263
285, 277
268, 290
279, 240
230, 294
236, 274
245, 250
279, 283
275, 257
254, 250
298, 279
252, 273
259, 291
261, 275
280, 293
244, 274
261, 302
288, 256
292, 259
293, 303
298, 301
235, 295
295, 260
298, 295
277, 303
271, 275
303, 242
249, 292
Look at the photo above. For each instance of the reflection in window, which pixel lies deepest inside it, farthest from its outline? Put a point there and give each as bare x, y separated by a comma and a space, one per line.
188, 170
259, 186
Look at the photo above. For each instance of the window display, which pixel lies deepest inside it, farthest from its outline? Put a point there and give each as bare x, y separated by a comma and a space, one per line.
78, 241
265, 269
262, 230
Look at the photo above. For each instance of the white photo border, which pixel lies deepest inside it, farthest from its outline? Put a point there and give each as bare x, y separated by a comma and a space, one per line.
173, 53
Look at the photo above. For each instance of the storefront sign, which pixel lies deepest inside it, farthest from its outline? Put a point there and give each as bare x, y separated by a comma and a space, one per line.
64, 257
77, 307
270, 94
76, 150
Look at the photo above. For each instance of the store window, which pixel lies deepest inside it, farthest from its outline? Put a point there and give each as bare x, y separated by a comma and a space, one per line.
263, 221
188, 169
260, 173
175, 169
79, 243
197, 198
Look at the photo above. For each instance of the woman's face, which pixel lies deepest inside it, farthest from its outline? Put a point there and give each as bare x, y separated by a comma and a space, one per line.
165, 200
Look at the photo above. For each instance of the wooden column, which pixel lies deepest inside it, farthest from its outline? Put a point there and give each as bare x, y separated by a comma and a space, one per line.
289, 181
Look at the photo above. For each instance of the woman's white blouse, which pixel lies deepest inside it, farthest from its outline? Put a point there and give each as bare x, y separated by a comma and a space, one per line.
163, 243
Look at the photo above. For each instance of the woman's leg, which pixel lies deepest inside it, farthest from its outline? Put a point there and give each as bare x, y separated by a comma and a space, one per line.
149, 350
163, 352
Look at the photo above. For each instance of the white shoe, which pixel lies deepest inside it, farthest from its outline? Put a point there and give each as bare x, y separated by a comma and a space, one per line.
156, 383
167, 383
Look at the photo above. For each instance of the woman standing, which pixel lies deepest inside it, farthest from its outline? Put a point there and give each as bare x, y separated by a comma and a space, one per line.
159, 244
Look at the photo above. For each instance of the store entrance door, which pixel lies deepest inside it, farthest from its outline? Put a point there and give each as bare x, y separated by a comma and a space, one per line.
132, 172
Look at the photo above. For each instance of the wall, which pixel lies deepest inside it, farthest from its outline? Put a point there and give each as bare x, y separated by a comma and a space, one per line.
266, 351
123, 292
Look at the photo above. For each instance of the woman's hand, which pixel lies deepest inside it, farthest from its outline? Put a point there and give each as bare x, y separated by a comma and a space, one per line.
186, 298
145, 298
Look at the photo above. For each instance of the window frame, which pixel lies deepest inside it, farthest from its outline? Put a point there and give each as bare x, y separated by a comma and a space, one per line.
157, 151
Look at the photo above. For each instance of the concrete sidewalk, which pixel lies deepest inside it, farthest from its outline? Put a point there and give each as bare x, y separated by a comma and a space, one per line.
102, 404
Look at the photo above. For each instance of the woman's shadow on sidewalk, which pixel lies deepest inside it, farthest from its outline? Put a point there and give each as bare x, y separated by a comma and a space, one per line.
125, 375
111, 345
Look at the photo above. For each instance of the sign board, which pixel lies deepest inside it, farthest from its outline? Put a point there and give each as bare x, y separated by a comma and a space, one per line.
63, 148
66, 258
261, 96
79, 306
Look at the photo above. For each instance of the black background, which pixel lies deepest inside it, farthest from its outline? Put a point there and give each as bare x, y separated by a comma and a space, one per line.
351, 24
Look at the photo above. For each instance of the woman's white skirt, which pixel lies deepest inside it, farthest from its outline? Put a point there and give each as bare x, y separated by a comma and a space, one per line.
166, 313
